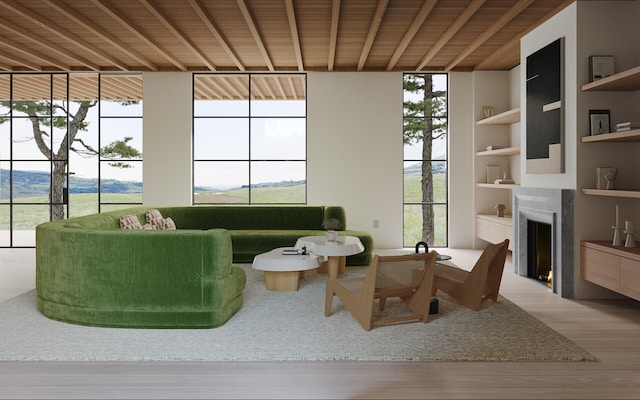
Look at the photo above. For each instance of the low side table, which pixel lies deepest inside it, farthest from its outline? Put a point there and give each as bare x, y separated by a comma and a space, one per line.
335, 251
283, 272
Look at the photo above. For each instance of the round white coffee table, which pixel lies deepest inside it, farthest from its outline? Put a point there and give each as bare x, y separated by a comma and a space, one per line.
283, 272
335, 251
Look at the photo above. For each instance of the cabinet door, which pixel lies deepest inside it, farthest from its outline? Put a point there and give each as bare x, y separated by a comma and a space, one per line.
600, 268
630, 278
494, 232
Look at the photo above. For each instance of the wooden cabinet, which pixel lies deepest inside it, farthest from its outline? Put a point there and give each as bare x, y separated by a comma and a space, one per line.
615, 268
495, 229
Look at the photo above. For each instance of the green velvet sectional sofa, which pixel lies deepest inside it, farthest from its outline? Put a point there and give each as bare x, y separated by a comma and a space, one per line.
91, 272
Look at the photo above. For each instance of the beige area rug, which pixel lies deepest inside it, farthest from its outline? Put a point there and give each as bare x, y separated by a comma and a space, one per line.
285, 326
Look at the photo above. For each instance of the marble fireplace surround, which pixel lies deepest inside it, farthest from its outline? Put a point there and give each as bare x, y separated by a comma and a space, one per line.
554, 207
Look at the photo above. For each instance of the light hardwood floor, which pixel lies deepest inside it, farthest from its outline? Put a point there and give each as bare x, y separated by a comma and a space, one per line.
608, 329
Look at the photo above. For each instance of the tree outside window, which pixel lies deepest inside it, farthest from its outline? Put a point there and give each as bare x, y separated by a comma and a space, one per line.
425, 159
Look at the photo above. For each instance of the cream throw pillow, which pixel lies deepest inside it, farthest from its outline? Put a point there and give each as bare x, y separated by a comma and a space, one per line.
168, 224
130, 222
154, 218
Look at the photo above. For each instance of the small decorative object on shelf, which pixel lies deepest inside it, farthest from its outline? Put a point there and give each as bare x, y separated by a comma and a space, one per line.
600, 67
487, 111
500, 210
601, 181
493, 173
599, 122
504, 180
611, 176
627, 126
617, 230
629, 230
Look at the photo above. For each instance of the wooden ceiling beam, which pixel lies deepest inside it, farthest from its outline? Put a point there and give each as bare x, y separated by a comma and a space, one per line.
178, 33
108, 9
462, 19
516, 9
292, 87
33, 55
14, 60
381, 8
295, 37
251, 23
333, 34
207, 20
63, 33
27, 34
101, 33
514, 43
417, 22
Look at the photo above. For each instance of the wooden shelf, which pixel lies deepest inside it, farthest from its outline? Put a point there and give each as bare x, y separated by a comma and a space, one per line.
505, 118
498, 186
607, 246
507, 151
628, 81
624, 136
633, 194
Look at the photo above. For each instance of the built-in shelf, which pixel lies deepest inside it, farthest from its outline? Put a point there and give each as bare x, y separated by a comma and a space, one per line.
507, 151
624, 136
505, 118
633, 194
613, 267
628, 81
494, 229
497, 186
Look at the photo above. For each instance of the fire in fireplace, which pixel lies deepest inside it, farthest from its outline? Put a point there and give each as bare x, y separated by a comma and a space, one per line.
539, 255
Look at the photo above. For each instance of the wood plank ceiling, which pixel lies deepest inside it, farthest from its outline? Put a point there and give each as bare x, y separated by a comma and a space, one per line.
271, 36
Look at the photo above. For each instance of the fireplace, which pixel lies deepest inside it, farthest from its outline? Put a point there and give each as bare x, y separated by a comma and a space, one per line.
547, 215
539, 252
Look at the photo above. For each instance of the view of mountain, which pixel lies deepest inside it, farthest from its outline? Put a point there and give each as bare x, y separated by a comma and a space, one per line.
36, 183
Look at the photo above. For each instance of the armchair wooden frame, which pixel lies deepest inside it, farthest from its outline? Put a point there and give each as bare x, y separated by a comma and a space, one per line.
482, 283
414, 288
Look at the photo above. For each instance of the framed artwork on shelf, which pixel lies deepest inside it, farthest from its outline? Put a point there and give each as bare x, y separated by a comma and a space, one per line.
600, 67
599, 122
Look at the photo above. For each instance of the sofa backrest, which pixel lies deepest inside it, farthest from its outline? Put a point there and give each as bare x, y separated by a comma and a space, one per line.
249, 217
241, 217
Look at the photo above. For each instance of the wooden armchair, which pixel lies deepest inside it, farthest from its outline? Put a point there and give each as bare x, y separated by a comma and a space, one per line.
409, 277
472, 288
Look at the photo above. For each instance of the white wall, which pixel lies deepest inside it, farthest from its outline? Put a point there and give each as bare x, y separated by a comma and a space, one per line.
560, 25
167, 138
461, 160
354, 149
354, 156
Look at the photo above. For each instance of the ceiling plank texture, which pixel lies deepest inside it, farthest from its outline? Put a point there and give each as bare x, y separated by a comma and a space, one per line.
267, 35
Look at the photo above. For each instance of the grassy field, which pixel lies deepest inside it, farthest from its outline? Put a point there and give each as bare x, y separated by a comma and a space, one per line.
26, 217
283, 194
413, 213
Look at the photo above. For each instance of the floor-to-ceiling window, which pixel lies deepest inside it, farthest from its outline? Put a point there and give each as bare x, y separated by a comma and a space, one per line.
55, 160
425, 159
249, 138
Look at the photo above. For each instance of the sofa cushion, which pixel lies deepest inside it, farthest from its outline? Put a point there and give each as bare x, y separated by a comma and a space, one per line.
155, 218
167, 224
130, 222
